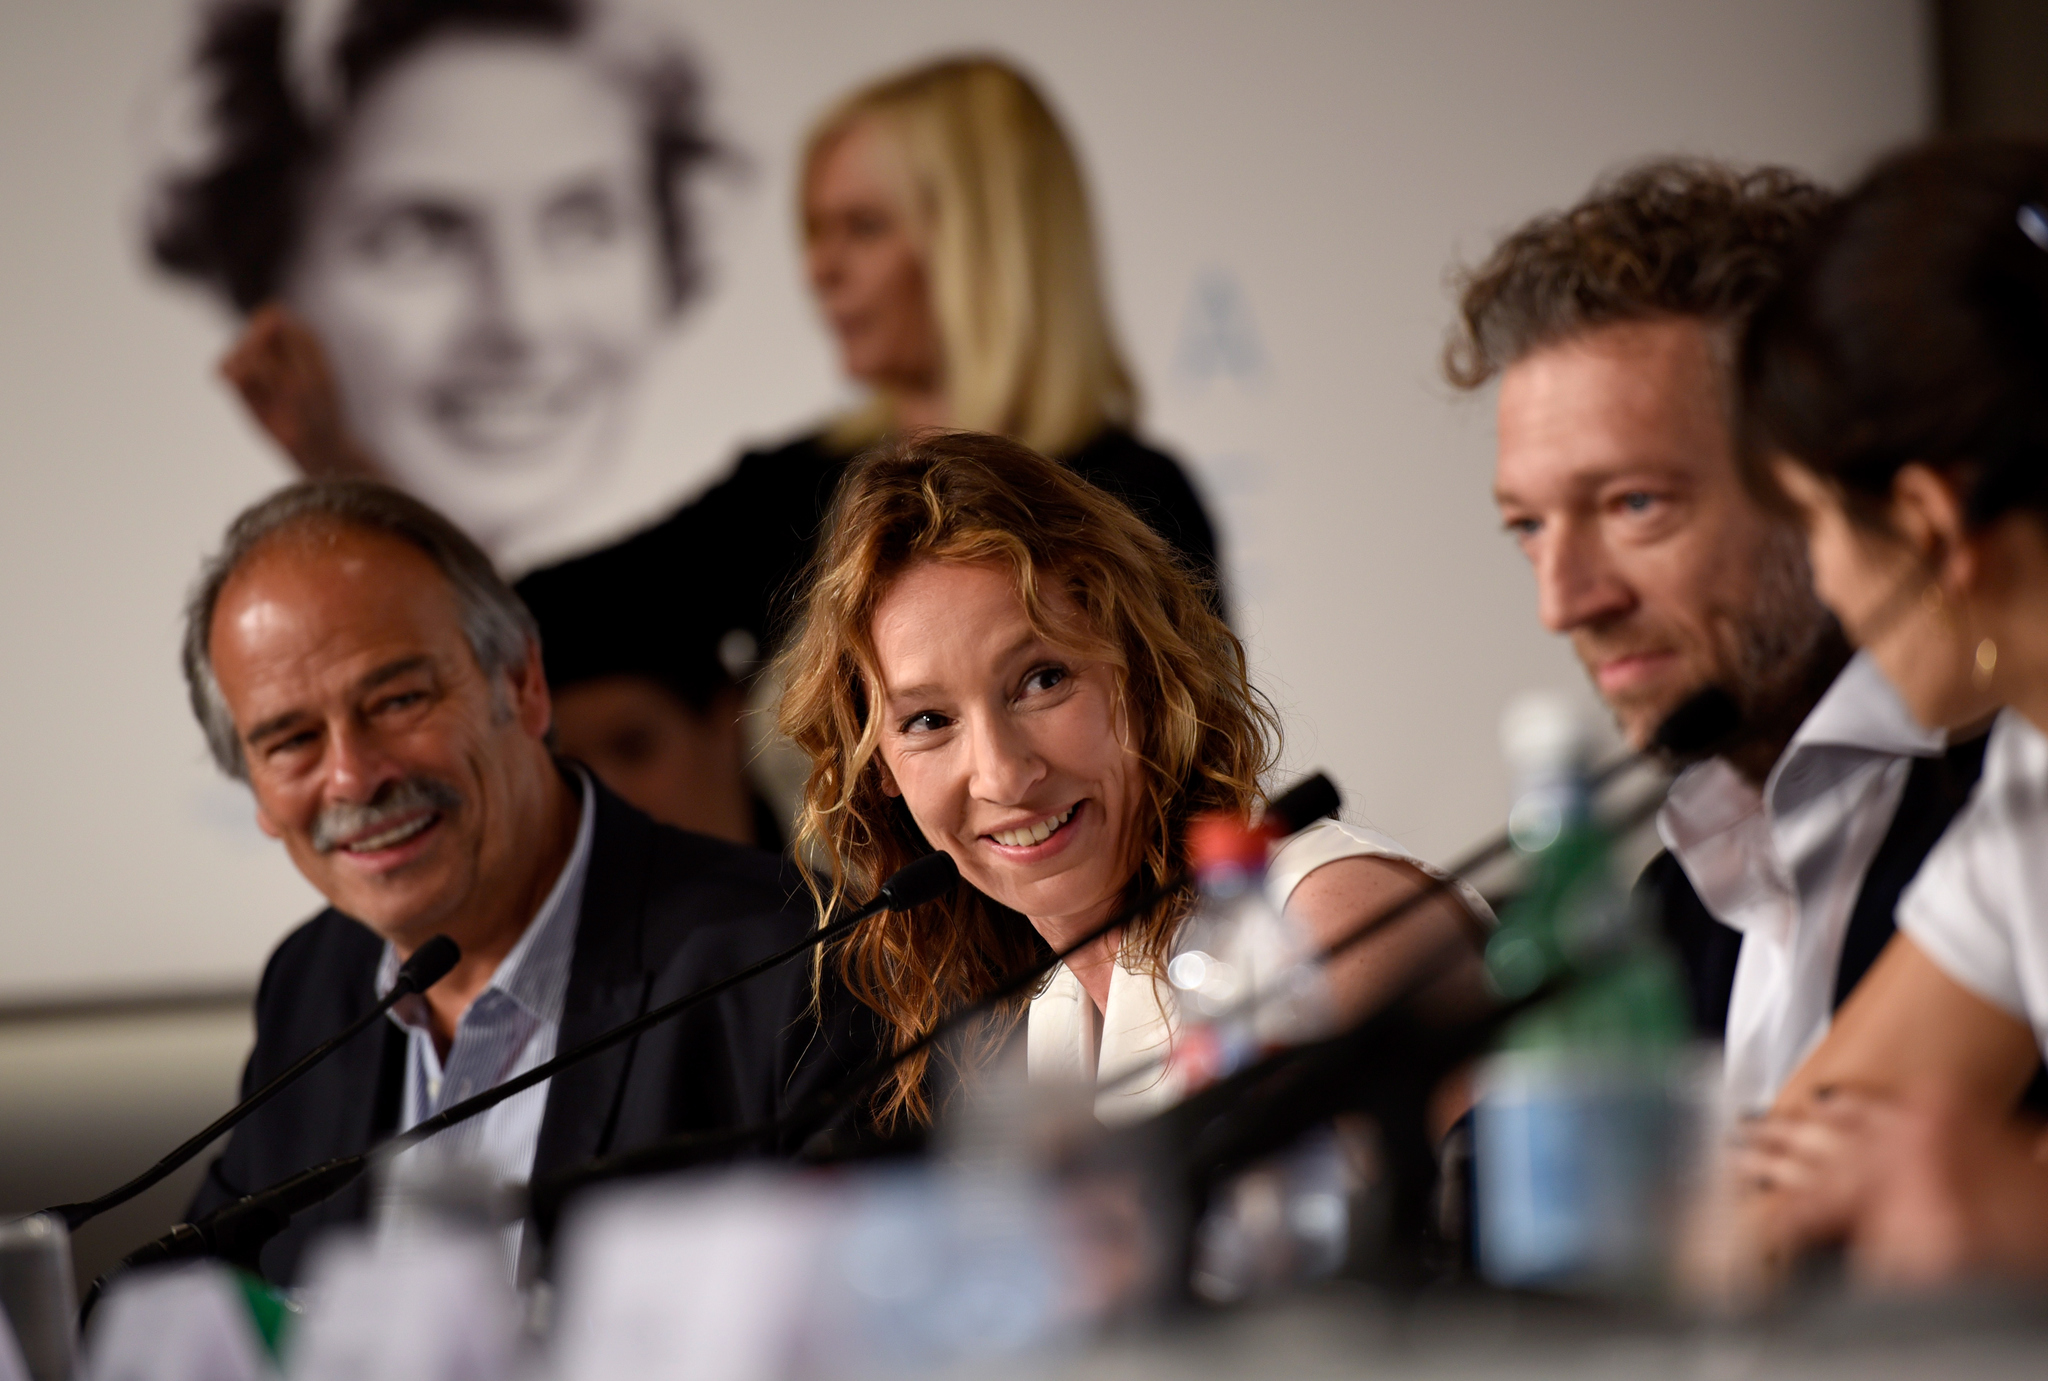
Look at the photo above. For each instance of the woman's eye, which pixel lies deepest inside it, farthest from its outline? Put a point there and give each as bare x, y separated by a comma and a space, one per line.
924, 722
868, 225
1044, 679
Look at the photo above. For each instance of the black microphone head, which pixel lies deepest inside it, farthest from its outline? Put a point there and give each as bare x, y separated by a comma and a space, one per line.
1302, 804
429, 965
1703, 721
919, 881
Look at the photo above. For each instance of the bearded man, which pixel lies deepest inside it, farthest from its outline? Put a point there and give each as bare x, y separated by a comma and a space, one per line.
1668, 558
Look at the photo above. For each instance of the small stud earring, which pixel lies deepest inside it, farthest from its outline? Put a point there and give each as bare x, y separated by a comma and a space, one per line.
1986, 663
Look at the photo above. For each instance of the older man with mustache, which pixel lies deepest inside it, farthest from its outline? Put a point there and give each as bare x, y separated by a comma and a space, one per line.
1672, 564
355, 660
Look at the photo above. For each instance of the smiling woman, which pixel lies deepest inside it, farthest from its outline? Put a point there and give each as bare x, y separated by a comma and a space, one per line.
1001, 661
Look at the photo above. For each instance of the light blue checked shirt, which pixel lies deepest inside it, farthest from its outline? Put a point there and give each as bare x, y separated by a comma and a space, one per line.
512, 1026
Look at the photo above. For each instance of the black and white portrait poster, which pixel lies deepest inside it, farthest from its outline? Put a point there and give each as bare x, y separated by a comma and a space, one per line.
548, 253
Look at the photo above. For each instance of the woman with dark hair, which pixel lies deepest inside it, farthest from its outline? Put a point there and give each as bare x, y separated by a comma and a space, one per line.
1900, 383
455, 229
1002, 661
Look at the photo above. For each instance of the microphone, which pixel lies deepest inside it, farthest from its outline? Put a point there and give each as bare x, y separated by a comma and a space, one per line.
1294, 809
237, 1232
1699, 725
429, 964
1388, 1063
1300, 806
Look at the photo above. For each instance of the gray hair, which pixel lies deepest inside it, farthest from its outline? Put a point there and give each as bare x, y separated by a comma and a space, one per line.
497, 626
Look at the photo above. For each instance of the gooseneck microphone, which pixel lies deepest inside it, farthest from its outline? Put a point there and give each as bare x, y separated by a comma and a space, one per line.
917, 882
1293, 810
429, 964
237, 1232
1696, 728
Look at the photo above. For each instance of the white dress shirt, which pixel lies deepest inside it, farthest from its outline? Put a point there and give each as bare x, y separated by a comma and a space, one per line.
1065, 1039
510, 1027
1979, 906
1784, 865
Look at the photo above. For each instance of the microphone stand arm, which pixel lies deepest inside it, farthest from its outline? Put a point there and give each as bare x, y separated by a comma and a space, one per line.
238, 1231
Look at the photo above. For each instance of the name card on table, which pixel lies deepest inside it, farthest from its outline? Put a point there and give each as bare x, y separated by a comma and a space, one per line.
176, 1323
702, 1278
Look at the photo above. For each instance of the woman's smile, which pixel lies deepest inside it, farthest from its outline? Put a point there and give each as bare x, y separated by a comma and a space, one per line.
1008, 747
1035, 839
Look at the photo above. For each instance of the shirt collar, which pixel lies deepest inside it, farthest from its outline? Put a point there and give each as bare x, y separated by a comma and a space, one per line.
535, 975
1860, 713
1861, 710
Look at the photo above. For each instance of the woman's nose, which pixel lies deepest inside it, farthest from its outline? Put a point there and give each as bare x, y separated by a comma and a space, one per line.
1006, 765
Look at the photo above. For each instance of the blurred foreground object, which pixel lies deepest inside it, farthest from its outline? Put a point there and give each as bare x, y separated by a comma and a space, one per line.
1245, 973
189, 1322
37, 1294
1580, 1117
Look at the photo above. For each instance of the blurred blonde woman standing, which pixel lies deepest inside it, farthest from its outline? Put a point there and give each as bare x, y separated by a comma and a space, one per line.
948, 242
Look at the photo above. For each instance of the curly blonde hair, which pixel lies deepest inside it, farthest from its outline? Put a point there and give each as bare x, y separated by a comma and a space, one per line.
1203, 735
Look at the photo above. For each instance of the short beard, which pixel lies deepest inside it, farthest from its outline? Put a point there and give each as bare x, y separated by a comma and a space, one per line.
1781, 655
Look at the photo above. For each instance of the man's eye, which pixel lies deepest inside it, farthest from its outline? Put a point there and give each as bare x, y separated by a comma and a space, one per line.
293, 743
404, 700
1522, 529
1637, 501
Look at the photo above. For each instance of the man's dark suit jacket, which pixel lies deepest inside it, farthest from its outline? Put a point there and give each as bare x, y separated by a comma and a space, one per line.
664, 912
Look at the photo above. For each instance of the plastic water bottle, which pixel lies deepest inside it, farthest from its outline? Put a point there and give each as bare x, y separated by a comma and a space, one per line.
1244, 975
1578, 1127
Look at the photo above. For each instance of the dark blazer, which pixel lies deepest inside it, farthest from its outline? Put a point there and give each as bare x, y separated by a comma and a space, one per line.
664, 912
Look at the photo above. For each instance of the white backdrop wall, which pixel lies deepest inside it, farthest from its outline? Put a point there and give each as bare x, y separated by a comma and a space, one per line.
1280, 189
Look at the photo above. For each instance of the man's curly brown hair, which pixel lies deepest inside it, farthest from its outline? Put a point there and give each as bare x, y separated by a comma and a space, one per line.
1671, 237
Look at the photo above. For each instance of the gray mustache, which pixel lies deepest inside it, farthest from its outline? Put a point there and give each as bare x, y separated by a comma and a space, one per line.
404, 797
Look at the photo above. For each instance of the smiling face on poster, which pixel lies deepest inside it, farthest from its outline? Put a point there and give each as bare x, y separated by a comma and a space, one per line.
473, 211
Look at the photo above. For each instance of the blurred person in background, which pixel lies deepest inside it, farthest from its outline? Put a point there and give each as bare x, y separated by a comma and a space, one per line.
999, 660
649, 707
1611, 327
454, 230
948, 240
1900, 378
354, 660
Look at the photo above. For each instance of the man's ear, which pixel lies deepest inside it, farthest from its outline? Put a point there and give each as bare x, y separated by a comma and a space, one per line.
1928, 513
266, 824
531, 703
